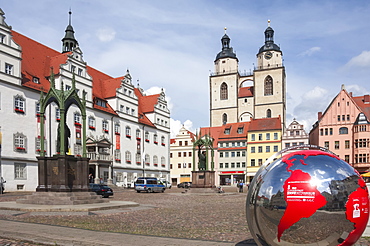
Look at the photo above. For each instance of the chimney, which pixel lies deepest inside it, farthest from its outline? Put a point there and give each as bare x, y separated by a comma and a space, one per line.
319, 115
366, 99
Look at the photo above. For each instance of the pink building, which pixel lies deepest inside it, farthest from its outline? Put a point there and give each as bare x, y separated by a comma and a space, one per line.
344, 129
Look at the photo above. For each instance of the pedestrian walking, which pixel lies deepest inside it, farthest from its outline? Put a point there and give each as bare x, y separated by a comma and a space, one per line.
241, 184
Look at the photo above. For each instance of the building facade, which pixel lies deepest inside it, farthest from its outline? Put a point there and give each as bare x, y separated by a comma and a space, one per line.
181, 156
246, 105
264, 140
127, 132
294, 135
239, 97
344, 129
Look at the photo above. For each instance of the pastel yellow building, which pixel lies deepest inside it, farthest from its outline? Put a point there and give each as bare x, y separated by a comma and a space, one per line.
264, 140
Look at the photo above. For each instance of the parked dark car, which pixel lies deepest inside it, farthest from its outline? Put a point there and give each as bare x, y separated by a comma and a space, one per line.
184, 185
103, 190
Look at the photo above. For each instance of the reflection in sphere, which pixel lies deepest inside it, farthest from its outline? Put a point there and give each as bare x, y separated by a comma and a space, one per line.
307, 196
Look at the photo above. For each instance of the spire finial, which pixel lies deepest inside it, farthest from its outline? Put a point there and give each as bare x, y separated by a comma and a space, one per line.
268, 23
70, 16
225, 28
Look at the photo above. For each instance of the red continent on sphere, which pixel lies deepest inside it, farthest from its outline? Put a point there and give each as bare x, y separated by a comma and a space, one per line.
302, 200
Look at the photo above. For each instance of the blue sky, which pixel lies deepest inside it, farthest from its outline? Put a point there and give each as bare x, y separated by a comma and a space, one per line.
173, 44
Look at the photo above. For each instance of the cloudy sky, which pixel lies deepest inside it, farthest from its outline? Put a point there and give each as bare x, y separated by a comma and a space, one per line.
172, 45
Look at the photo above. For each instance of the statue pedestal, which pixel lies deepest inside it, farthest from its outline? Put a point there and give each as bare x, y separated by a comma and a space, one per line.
63, 180
203, 179
63, 174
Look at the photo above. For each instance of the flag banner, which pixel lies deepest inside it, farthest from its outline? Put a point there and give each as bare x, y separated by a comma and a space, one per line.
118, 142
78, 134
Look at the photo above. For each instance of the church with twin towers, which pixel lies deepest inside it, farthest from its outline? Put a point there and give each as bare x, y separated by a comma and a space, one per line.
240, 97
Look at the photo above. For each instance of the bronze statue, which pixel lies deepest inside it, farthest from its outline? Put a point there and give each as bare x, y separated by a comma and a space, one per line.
202, 158
67, 135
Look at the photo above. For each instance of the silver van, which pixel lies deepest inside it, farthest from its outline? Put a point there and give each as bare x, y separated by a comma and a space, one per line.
149, 184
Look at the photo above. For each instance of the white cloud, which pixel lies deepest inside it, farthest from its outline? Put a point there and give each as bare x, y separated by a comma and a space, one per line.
357, 90
106, 34
314, 101
310, 51
156, 90
362, 60
176, 126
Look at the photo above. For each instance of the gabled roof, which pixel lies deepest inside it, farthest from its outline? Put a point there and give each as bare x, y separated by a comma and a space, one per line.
146, 105
265, 124
233, 131
37, 59
245, 92
213, 132
364, 103
356, 101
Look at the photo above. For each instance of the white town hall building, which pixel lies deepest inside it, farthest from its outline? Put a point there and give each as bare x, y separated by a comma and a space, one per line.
128, 132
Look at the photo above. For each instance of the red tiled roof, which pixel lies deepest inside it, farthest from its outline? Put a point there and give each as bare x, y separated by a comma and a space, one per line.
172, 140
38, 59
234, 130
265, 124
245, 92
213, 132
364, 103
146, 105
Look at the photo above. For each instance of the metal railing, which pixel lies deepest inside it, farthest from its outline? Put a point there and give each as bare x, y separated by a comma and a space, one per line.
99, 156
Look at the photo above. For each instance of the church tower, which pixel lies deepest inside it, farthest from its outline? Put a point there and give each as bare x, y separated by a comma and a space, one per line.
69, 41
269, 80
224, 86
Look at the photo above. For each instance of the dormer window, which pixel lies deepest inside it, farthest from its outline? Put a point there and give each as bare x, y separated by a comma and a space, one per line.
35, 80
101, 103
227, 131
240, 130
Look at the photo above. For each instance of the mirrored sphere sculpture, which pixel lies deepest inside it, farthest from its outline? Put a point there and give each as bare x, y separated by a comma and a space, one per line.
307, 196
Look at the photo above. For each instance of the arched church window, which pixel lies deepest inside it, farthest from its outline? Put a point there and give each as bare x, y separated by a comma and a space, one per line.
224, 119
223, 92
268, 86
268, 113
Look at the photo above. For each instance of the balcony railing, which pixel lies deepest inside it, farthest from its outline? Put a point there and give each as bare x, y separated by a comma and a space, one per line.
244, 73
99, 156
241, 73
268, 67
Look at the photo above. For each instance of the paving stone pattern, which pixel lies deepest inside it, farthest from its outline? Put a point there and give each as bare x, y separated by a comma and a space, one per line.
174, 214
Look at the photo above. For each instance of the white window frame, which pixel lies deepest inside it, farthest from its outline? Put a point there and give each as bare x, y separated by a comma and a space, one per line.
20, 171
91, 122
19, 103
128, 156
9, 68
20, 142
105, 126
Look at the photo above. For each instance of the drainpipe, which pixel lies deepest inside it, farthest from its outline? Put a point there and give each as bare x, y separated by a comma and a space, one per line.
143, 156
110, 167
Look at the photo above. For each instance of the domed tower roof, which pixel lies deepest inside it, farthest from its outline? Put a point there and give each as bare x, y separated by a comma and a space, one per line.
269, 40
69, 40
226, 51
